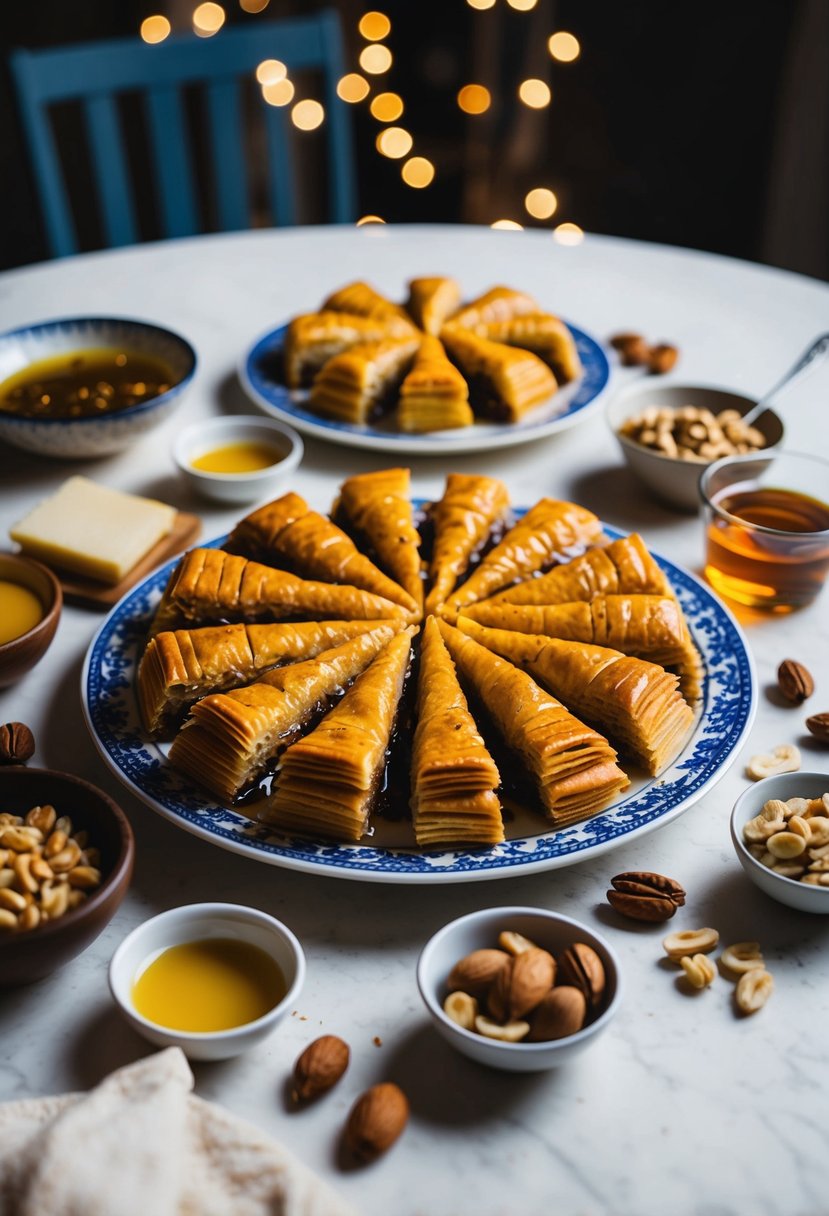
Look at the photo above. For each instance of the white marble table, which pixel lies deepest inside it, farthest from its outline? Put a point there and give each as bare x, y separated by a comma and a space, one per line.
680, 1106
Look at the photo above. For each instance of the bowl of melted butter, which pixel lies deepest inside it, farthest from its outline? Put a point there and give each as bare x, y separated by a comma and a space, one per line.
213, 979
82, 387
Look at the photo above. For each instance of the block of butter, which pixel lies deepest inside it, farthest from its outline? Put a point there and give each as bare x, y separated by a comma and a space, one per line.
89, 529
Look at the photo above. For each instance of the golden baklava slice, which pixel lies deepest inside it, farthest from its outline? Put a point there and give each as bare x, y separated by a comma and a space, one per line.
432, 300
636, 703
209, 586
179, 667
504, 381
231, 738
329, 781
542, 333
572, 766
360, 383
461, 523
454, 778
551, 531
497, 304
363, 300
377, 508
314, 338
434, 395
286, 532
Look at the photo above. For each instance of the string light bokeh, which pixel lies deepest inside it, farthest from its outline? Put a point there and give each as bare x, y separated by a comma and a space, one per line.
375, 59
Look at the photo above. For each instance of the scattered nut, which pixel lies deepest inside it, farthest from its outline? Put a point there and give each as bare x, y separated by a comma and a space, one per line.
689, 942
742, 957
794, 681
699, 970
633, 350
17, 743
477, 971
818, 725
320, 1066
662, 358
560, 1013
642, 895
753, 990
377, 1119
783, 759
462, 1009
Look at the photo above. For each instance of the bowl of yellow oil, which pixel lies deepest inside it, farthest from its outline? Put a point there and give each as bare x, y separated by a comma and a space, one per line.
237, 459
213, 979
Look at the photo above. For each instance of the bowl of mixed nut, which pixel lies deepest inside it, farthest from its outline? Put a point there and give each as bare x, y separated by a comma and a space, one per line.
780, 830
669, 433
66, 855
520, 989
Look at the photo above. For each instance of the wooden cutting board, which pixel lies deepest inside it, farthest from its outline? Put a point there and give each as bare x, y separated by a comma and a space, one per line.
91, 594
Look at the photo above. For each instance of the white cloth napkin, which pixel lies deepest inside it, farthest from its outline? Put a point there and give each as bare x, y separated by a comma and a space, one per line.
142, 1145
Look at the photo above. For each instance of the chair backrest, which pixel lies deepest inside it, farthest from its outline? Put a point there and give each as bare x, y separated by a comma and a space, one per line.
95, 74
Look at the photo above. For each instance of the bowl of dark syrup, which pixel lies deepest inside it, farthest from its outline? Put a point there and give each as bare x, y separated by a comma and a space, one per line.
767, 528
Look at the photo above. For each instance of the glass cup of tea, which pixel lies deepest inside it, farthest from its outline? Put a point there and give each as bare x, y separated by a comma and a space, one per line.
767, 528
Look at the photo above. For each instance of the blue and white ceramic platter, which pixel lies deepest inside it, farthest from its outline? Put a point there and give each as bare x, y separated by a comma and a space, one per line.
259, 374
723, 720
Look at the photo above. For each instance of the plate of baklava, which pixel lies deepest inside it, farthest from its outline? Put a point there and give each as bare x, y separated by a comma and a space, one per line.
403, 691
431, 375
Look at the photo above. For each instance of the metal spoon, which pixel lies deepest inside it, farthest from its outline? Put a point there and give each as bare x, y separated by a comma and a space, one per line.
817, 348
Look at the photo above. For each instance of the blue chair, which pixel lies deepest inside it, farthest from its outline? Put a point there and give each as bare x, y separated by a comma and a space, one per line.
95, 74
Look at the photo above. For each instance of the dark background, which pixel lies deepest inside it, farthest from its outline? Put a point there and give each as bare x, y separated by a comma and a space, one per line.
704, 124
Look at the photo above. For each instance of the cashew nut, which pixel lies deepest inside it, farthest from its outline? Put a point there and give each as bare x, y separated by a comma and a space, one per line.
785, 758
699, 970
742, 957
512, 1032
753, 990
690, 942
462, 1009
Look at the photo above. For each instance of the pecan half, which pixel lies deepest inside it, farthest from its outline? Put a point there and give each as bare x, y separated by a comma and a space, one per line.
794, 681
643, 895
818, 724
581, 967
17, 743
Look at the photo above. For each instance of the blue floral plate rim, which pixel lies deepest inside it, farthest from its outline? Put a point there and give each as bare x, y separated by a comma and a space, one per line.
727, 709
570, 405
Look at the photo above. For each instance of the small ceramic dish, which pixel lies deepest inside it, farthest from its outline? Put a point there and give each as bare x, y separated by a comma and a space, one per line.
29, 955
219, 435
799, 895
673, 480
479, 930
98, 435
20, 654
202, 922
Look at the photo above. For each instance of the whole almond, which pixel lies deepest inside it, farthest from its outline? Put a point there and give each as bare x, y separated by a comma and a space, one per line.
662, 358
561, 1013
582, 967
377, 1118
521, 984
320, 1066
476, 972
794, 681
818, 724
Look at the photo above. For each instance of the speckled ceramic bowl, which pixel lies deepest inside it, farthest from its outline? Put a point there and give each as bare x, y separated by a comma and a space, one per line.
81, 438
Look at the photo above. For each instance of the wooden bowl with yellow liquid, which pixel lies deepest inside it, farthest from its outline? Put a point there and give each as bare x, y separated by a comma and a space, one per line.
30, 606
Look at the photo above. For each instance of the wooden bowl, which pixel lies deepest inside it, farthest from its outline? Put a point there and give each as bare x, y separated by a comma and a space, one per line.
28, 956
20, 654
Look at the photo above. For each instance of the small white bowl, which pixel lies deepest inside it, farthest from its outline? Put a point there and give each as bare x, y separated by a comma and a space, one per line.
204, 437
673, 480
199, 922
802, 896
101, 435
479, 930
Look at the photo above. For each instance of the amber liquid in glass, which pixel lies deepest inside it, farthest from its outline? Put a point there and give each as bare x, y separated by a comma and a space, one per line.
781, 569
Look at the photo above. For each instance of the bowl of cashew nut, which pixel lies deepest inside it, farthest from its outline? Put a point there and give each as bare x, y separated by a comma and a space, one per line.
780, 831
66, 856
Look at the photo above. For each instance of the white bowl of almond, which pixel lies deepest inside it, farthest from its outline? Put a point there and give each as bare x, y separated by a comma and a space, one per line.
780, 830
520, 989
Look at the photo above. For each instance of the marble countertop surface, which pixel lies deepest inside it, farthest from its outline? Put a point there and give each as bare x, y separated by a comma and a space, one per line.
681, 1106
